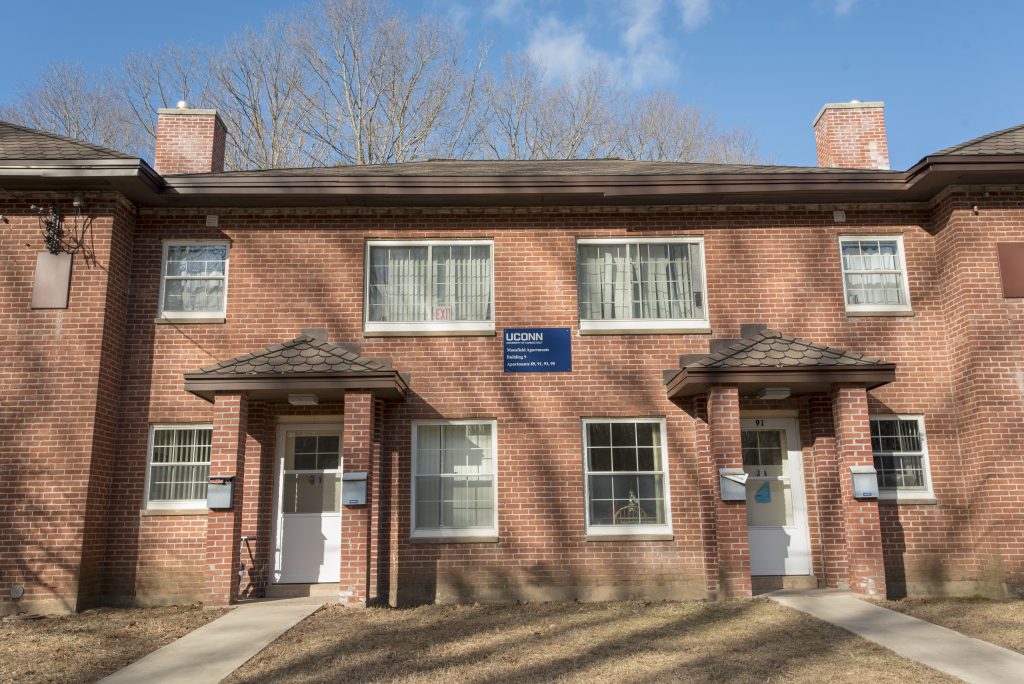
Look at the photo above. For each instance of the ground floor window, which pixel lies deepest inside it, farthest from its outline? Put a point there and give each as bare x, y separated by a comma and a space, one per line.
626, 488
454, 487
179, 466
901, 456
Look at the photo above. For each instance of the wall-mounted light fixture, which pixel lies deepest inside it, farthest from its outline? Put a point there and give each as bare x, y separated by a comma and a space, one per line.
303, 400
774, 393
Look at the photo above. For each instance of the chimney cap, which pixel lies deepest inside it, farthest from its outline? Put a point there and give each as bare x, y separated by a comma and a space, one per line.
181, 105
852, 104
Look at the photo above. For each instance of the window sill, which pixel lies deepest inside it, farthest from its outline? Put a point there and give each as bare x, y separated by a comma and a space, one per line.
455, 540
638, 330
919, 500
628, 537
171, 320
155, 512
880, 314
430, 332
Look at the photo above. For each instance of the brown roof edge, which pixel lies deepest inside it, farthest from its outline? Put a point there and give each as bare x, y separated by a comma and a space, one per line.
387, 385
696, 380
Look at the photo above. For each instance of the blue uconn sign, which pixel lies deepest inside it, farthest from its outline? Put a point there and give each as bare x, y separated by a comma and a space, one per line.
538, 350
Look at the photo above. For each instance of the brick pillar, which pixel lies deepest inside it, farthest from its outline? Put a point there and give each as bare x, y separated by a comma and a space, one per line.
224, 527
862, 533
358, 447
731, 516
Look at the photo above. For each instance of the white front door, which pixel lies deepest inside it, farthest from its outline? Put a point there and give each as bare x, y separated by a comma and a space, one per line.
308, 531
776, 503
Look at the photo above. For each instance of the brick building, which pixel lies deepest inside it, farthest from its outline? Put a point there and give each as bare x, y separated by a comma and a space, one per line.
486, 380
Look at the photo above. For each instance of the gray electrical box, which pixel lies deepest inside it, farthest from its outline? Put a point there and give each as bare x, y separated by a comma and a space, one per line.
733, 483
353, 489
219, 491
865, 482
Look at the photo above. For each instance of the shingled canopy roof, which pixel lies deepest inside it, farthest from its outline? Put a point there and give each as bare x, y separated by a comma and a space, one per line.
769, 358
1006, 141
303, 365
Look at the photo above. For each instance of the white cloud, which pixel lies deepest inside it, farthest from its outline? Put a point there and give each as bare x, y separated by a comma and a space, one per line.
648, 55
562, 51
504, 10
844, 7
697, 12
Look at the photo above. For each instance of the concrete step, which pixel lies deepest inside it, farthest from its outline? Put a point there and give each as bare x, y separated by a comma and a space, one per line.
326, 590
762, 584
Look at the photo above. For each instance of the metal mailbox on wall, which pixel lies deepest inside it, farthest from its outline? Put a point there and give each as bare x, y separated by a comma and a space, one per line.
733, 483
353, 489
219, 492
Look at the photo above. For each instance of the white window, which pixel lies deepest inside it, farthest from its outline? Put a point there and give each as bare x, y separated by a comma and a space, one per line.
430, 287
194, 281
654, 284
874, 274
454, 479
179, 466
901, 456
626, 490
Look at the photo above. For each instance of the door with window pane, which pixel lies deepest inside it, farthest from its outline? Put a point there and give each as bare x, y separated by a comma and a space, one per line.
776, 504
308, 545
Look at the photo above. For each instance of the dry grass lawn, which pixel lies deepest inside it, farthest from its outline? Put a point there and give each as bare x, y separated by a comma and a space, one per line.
92, 644
735, 641
1001, 622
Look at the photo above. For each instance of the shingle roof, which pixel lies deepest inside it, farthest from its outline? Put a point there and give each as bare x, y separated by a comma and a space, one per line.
304, 354
772, 349
19, 142
564, 167
1007, 141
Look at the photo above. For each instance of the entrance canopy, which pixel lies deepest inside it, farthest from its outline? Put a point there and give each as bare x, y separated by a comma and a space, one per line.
766, 360
305, 365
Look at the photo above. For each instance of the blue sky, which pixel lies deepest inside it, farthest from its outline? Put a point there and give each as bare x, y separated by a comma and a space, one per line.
947, 71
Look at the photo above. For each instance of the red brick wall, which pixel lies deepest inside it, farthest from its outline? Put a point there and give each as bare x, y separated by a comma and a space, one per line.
58, 387
294, 269
852, 137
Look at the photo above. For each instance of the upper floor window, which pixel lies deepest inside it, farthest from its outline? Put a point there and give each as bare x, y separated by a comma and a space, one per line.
874, 274
901, 456
195, 279
454, 490
654, 284
624, 462
430, 287
179, 466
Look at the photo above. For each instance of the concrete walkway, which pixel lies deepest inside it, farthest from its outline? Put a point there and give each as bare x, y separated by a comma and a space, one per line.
970, 659
215, 650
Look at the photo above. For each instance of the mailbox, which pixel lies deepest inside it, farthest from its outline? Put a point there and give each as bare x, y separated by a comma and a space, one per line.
353, 489
865, 482
733, 483
219, 491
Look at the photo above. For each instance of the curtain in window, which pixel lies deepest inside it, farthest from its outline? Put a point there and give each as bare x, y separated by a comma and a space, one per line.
454, 477
194, 278
640, 281
179, 464
430, 283
398, 284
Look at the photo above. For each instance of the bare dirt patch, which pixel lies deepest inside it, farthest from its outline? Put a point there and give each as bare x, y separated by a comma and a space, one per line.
1000, 622
92, 644
736, 641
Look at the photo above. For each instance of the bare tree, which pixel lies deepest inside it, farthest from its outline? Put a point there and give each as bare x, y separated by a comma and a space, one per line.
382, 89
68, 102
257, 87
151, 80
529, 118
659, 127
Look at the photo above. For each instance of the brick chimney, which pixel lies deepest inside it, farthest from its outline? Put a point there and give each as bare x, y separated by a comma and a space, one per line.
189, 140
851, 135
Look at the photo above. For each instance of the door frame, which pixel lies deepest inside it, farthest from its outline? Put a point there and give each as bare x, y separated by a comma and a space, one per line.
798, 489
284, 425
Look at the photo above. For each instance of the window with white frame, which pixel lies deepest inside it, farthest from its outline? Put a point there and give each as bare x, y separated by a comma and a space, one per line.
641, 283
901, 456
194, 281
436, 286
179, 466
626, 489
874, 273
454, 479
